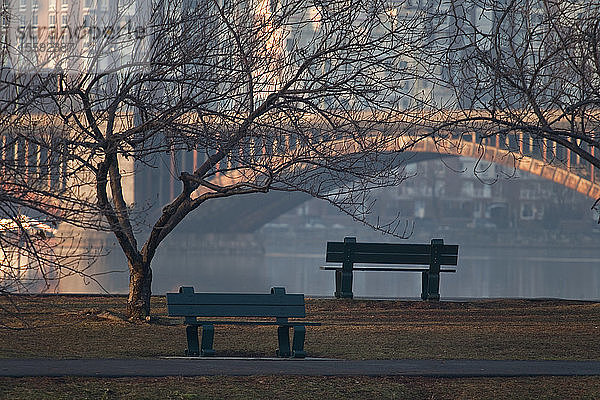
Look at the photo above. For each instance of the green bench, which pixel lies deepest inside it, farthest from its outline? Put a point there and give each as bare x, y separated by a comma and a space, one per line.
433, 255
278, 305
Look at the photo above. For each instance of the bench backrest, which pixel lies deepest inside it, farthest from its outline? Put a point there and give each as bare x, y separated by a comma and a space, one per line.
278, 304
391, 253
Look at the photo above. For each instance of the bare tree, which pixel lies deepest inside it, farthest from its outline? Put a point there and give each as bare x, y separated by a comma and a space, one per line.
271, 95
524, 76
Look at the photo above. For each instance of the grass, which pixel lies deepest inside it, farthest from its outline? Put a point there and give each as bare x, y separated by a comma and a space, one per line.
66, 327
85, 327
272, 387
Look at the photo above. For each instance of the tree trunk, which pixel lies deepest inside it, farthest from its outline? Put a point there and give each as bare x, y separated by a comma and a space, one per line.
140, 280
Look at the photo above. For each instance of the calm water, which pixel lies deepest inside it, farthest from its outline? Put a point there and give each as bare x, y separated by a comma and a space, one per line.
483, 271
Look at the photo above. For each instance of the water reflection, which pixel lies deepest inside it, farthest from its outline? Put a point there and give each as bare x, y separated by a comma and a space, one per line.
293, 261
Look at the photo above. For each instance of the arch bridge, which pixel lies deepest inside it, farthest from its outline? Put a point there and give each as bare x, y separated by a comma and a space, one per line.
248, 213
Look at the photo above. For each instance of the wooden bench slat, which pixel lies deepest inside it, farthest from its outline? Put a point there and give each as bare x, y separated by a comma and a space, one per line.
391, 258
374, 268
403, 248
236, 298
269, 323
408, 248
230, 310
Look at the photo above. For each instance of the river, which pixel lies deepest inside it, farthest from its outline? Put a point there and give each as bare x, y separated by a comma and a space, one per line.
292, 260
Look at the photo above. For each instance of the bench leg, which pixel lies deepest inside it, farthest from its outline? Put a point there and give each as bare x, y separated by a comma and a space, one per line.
208, 335
338, 284
430, 286
283, 340
424, 285
298, 342
433, 286
343, 284
193, 349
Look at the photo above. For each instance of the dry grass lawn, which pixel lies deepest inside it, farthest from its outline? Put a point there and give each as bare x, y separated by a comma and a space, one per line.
64, 327
303, 388
85, 327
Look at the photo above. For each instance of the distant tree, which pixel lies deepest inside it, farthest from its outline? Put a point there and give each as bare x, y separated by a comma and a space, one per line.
524, 73
284, 95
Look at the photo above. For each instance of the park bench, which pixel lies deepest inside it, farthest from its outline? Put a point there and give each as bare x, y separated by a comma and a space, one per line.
433, 255
278, 305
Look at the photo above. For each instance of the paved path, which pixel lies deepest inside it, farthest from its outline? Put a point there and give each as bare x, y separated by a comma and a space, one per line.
314, 367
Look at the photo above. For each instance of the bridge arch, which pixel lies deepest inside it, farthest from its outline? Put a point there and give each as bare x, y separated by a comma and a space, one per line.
495, 154
248, 213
